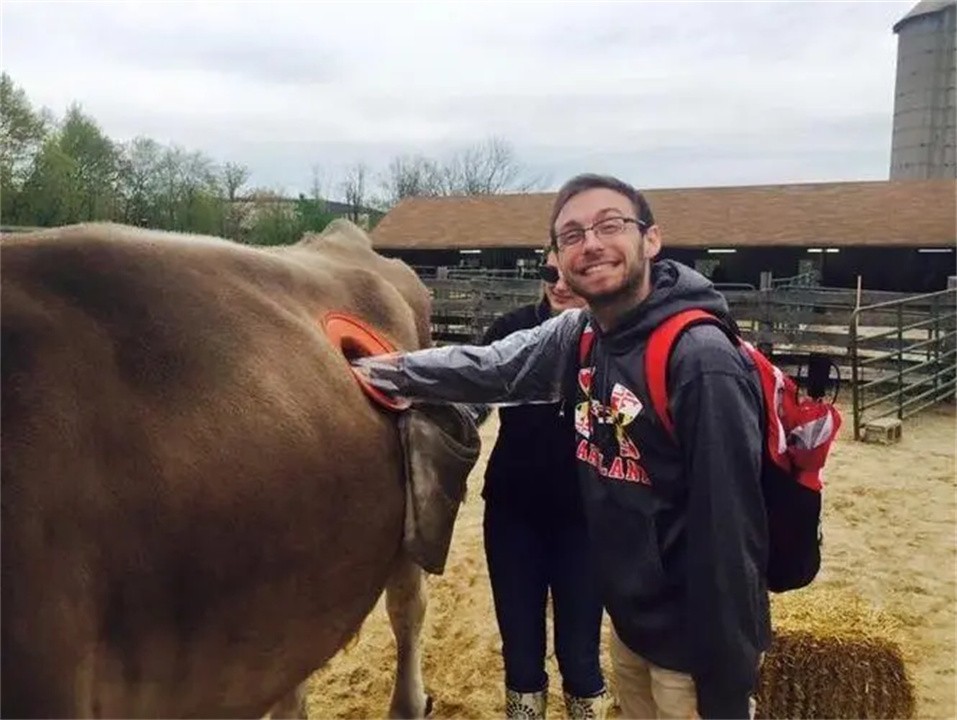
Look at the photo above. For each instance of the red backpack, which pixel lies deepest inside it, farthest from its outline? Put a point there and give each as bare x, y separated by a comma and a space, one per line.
799, 433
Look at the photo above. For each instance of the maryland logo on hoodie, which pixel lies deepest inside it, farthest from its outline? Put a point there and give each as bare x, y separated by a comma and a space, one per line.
593, 418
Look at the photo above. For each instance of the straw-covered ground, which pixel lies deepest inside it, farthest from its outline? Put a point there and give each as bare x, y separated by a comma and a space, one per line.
889, 572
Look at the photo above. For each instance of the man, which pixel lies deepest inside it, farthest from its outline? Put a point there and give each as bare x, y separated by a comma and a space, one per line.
678, 528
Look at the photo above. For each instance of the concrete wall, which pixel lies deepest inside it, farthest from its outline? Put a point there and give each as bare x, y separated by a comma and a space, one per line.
925, 105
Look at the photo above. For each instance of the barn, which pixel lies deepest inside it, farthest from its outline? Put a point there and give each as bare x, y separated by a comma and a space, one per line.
899, 235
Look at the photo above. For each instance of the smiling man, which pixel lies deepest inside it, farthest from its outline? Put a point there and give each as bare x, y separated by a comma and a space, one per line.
676, 522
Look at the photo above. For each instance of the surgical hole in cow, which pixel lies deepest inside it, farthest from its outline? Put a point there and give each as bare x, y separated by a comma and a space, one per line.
352, 349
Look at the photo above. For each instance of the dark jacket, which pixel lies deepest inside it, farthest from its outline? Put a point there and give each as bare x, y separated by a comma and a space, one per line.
531, 468
679, 531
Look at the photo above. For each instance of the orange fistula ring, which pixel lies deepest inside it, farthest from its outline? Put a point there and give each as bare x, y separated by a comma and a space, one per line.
356, 339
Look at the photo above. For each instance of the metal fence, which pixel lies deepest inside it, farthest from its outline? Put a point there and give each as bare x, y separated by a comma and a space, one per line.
462, 309
903, 356
896, 349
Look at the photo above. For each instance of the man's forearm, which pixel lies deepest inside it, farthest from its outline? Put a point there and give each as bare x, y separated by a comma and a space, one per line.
524, 367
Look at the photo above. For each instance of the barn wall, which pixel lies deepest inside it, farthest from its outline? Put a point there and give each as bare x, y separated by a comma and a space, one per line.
895, 269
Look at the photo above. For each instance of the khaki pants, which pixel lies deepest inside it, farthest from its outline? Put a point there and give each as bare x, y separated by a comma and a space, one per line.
645, 690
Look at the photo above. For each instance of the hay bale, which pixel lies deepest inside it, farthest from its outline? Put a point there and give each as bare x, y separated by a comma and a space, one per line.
833, 656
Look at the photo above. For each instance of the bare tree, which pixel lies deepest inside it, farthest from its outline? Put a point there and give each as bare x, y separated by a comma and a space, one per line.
354, 189
412, 176
318, 182
487, 168
234, 176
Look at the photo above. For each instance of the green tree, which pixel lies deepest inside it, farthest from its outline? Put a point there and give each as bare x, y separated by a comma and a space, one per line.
22, 132
139, 182
96, 166
50, 195
201, 205
274, 220
312, 215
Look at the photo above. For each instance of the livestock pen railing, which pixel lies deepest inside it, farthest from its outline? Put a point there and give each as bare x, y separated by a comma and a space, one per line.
462, 309
896, 349
903, 356
431, 272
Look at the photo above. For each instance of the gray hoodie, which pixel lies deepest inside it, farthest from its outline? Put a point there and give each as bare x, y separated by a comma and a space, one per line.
679, 530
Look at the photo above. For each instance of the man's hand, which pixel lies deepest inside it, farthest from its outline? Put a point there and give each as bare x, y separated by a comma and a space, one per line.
376, 370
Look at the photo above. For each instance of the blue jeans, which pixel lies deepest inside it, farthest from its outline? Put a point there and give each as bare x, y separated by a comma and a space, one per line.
526, 556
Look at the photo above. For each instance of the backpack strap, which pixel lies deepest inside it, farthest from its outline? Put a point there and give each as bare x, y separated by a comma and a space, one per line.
658, 354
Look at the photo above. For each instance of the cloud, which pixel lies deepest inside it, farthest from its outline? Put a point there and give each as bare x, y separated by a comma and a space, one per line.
691, 93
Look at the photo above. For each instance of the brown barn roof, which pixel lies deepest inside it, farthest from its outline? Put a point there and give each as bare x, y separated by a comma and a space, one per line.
901, 212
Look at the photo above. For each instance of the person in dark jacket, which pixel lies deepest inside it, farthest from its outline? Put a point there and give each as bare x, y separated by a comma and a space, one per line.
536, 540
678, 529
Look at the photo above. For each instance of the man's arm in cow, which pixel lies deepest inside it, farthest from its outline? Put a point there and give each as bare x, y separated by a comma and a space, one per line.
527, 366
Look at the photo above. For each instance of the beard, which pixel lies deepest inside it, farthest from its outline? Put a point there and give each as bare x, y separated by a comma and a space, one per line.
627, 289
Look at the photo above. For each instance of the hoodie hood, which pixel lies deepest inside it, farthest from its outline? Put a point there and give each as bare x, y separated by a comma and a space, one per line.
675, 287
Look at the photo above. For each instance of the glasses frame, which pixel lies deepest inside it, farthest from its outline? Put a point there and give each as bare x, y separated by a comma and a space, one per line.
562, 246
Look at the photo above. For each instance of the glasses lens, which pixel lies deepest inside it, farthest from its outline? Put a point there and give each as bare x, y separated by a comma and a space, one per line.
548, 273
609, 227
570, 237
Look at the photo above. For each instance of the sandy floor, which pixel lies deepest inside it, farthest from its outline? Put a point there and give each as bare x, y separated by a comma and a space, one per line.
889, 535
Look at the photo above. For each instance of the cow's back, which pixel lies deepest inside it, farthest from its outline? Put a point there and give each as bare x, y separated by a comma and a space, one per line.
199, 505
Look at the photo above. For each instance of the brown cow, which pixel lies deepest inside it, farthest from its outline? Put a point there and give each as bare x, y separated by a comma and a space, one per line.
199, 505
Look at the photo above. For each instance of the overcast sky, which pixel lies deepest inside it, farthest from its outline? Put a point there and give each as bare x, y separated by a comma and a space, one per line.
670, 94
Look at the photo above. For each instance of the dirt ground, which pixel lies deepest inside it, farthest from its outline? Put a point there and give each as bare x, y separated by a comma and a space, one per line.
889, 524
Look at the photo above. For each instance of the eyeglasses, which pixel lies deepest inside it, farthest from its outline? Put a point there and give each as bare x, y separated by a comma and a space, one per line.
603, 229
548, 273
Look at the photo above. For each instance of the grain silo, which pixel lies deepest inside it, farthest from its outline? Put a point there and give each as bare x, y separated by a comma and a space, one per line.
923, 141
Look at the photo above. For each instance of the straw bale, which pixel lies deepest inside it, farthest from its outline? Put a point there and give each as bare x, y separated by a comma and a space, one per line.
834, 656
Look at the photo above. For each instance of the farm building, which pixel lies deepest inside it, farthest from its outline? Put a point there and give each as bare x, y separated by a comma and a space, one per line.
898, 235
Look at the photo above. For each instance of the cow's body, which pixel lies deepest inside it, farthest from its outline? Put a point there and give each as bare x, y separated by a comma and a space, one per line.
199, 505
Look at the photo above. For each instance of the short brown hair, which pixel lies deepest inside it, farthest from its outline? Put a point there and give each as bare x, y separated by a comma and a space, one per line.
589, 181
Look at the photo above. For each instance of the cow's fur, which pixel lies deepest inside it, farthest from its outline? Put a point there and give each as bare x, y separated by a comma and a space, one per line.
199, 505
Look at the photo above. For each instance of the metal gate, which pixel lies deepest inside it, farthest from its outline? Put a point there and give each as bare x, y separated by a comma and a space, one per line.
903, 356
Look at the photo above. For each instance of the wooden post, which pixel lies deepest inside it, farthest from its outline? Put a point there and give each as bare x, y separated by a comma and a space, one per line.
900, 360
857, 305
947, 328
765, 326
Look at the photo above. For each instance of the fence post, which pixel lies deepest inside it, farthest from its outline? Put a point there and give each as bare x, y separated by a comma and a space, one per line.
855, 377
765, 326
935, 345
900, 361
478, 300
949, 327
